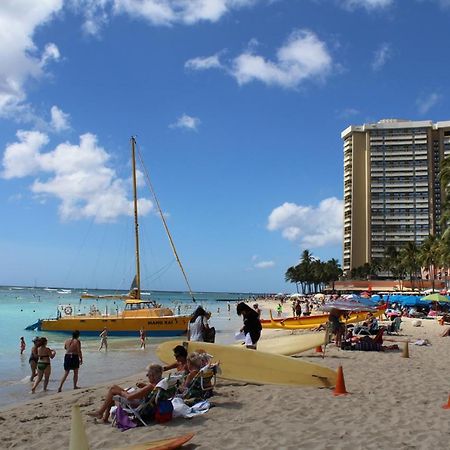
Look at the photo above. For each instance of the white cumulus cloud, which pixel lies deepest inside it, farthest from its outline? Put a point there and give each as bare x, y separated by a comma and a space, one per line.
186, 122
303, 56
203, 63
156, 12
312, 226
264, 264
59, 119
77, 174
367, 4
20, 58
426, 102
381, 56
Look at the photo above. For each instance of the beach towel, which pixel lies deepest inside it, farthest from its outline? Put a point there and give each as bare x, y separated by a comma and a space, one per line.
123, 420
180, 409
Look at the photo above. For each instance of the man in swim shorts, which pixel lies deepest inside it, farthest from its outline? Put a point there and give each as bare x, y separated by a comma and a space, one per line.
72, 359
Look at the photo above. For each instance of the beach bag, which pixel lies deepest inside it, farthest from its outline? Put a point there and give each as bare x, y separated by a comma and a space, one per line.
209, 334
123, 420
163, 411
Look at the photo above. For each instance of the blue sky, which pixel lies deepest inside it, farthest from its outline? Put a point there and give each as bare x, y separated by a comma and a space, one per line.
237, 105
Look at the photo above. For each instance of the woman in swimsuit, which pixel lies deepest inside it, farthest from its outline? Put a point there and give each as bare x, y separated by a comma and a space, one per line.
43, 365
33, 360
72, 359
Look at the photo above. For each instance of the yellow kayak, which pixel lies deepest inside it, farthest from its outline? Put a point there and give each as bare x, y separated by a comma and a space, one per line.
306, 323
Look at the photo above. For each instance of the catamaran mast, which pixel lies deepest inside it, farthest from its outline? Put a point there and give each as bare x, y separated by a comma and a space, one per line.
136, 224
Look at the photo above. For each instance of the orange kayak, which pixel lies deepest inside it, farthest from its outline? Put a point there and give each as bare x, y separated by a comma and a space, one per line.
162, 444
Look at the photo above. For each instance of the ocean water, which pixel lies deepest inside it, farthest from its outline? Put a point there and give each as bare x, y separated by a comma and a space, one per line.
20, 307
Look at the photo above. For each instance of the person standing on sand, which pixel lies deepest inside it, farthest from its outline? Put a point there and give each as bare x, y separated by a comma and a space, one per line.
258, 311
43, 366
197, 324
142, 337
33, 359
72, 359
104, 339
23, 345
252, 325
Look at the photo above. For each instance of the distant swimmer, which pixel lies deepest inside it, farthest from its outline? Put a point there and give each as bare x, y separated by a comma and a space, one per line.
104, 339
23, 345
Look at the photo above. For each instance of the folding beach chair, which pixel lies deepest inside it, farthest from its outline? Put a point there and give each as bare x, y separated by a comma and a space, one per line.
167, 385
202, 384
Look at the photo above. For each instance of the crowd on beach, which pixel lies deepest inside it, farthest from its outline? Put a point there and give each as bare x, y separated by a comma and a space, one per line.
190, 379
193, 372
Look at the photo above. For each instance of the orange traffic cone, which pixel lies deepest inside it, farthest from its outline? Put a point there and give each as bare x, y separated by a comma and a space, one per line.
447, 405
319, 349
405, 353
340, 383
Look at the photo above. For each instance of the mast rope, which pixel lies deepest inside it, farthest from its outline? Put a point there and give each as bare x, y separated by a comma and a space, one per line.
172, 244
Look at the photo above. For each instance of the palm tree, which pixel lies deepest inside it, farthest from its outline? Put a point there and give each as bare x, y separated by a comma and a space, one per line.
409, 258
430, 256
390, 260
333, 270
444, 176
291, 276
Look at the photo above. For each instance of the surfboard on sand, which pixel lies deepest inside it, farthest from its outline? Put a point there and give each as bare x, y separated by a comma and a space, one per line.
291, 344
252, 366
162, 444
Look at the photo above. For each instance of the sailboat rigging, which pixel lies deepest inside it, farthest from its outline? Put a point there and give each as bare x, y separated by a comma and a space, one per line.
138, 314
163, 219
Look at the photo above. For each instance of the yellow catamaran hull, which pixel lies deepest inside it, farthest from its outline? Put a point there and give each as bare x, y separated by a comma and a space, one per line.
118, 326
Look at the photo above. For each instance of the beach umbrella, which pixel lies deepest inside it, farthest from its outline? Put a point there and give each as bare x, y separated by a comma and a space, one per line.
296, 295
345, 305
436, 298
319, 296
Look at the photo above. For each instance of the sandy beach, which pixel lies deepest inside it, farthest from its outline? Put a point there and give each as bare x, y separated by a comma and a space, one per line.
394, 402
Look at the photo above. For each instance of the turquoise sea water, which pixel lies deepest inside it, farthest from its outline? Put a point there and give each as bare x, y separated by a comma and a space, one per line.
20, 307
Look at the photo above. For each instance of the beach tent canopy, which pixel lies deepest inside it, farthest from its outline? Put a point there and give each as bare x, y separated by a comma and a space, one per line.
436, 298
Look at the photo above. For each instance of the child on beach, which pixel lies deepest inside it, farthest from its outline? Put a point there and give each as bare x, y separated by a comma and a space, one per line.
104, 339
22, 345
44, 369
142, 337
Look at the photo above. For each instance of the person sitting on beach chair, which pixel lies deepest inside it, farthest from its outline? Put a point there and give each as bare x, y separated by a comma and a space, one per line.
395, 325
180, 364
155, 406
154, 374
200, 382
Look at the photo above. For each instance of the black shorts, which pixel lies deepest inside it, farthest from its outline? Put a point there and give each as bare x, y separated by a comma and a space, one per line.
71, 361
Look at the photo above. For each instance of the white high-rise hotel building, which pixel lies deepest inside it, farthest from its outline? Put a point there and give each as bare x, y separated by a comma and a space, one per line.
392, 192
